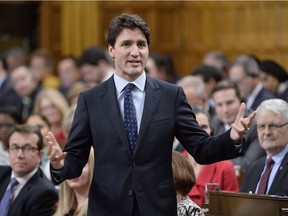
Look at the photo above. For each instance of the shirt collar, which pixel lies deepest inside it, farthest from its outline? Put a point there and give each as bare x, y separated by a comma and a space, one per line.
120, 83
279, 157
24, 179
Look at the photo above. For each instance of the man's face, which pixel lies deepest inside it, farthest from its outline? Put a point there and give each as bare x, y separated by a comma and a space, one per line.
244, 82
68, 72
39, 68
270, 82
92, 73
227, 105
22, 81
271, 139
130, 53
23, 162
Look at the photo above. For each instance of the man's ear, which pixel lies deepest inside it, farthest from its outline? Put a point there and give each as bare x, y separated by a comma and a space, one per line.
111, 51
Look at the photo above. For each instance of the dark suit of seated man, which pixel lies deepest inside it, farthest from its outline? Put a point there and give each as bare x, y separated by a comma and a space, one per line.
272, 127
33, 194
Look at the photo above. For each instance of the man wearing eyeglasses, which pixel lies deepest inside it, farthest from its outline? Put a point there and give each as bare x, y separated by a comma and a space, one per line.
24, 189
269, 175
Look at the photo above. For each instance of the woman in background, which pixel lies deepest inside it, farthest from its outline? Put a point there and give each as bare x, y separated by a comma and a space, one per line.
73, 194
52, 105
184, 180
222, 172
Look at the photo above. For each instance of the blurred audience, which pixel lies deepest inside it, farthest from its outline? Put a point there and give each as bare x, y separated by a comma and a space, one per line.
210, 76
275, 78
95, 65
41, 64
26, 87
9, 116
218, 60
161, 67
15, 56
75, 90
7, 93
245, 72
68, 73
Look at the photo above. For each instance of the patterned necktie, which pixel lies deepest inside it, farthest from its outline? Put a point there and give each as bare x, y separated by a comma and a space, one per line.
264, 178
130, 121
6, 199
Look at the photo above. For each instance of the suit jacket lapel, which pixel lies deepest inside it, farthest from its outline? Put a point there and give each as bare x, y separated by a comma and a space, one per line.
152, 97
5, 178
281, 173
111, 103
23, 193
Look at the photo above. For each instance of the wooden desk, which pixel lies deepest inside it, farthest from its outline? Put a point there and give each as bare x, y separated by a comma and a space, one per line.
244, 204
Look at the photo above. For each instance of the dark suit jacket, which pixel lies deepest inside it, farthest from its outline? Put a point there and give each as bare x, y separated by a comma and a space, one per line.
279, 185
262, 95
120, 177
253, 150
37, 197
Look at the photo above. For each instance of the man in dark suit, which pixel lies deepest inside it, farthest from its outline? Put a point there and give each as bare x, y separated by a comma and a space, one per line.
272, 126
135, 181
34, 194
245, 72
227, 101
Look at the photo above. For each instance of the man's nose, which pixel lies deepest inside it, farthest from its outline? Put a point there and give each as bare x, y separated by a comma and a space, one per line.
134, 50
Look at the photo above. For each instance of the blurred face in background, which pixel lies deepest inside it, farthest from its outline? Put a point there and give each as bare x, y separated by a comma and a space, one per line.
227, 105
6, 125
68, 72
245, 83
39, 68
23, 81
270, 82
82, 182
50, 111
203, 122
38, 121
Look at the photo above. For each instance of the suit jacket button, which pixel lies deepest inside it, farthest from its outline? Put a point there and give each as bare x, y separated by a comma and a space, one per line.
133, 164
130, 193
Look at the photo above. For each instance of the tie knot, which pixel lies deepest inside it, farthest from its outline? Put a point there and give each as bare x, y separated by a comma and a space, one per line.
269, 162
129, 87
13, 182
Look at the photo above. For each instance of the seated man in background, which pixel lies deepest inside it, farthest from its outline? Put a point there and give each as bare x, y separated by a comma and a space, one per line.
226, 96
25, 190
269, 175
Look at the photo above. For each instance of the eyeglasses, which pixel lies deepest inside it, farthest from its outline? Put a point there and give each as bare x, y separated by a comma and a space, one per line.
25, 149
271, 127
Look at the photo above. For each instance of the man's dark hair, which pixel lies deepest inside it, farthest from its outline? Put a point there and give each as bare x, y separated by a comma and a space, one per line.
28, 129
227, 84
130, 21
13, 112
208, 73
92, 55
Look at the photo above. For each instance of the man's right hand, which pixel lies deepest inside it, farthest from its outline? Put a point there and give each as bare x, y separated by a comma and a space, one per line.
54, 151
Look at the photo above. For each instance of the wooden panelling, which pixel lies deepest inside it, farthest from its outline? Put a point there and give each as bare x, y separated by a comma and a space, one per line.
187, 30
